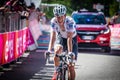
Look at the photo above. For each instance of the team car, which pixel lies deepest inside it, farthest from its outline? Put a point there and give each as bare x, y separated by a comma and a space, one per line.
92, 30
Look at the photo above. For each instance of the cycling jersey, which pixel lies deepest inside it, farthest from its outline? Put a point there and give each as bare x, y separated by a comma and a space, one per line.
69, 25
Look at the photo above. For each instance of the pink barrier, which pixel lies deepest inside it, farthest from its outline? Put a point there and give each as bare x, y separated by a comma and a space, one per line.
115, 30
24, 32
13, 44
16, 45
1, 48
20, 43
11, 40
5, 48
115, 36
30, 42
15, 37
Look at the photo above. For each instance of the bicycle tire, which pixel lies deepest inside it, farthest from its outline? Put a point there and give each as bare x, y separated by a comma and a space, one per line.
59, 76
65, 74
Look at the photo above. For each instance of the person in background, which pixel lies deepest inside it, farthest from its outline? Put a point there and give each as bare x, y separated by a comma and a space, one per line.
116, 18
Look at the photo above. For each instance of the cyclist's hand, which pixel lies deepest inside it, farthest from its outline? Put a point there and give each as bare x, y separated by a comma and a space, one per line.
47, 54
71, 57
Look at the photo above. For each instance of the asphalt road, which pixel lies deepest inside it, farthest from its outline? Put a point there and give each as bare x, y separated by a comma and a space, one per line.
95, 65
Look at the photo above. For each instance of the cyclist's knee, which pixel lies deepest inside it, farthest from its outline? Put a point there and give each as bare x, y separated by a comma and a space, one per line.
71, 67
58, 48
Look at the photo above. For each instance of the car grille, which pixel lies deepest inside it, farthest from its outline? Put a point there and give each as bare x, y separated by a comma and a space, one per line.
89, 45
88, 35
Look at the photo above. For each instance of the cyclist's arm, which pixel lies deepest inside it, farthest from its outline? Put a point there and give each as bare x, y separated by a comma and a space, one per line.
70, 33
69, 41
52, 40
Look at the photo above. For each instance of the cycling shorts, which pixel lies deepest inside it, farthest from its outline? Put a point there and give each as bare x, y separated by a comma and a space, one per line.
63, 41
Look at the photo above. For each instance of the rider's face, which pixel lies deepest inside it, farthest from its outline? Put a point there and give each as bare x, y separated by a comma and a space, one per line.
60, 19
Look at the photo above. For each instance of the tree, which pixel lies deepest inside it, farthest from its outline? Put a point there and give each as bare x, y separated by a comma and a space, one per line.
110, 6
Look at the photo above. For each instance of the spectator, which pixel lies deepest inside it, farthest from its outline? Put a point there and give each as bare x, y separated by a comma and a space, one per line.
44, 18
116, 18
40, 13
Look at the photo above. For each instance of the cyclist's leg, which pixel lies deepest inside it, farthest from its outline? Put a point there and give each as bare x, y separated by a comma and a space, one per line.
75, 47
57, 49
72, 73
71, 67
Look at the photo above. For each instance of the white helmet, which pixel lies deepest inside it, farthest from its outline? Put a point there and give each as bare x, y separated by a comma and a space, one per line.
59, 10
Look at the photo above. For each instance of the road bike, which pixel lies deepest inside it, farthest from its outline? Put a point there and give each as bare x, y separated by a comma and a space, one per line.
62, 70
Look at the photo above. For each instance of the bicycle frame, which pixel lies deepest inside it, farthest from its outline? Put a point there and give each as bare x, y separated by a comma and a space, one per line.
62, 71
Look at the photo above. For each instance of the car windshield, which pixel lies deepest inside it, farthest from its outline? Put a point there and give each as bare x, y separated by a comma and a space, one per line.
89, 19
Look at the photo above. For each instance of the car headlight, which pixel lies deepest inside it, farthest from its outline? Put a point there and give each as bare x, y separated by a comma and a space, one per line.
106, 31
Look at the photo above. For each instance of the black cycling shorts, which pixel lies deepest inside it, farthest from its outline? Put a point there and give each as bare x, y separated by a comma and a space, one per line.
63, 41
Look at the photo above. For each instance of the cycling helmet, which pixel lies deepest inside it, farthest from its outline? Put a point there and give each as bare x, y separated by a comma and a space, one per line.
59, 10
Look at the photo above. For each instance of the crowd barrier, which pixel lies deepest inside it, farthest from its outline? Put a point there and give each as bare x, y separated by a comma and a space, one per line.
115, 36
15, 37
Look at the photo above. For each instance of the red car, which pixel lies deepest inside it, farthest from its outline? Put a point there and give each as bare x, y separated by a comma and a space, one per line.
92, 30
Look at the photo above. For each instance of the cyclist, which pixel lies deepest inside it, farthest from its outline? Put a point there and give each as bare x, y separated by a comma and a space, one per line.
63, 34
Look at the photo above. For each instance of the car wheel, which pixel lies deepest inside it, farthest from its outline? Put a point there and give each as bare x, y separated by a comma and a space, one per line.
106, 49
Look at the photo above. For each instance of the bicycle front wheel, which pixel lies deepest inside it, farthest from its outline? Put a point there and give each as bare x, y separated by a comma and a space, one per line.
66, 74
59, 76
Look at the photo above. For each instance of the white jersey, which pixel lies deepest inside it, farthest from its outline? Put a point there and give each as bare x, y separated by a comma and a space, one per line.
69, 25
